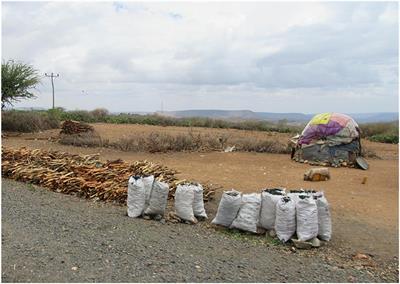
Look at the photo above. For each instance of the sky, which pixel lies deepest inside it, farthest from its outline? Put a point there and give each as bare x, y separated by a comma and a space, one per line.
304, 57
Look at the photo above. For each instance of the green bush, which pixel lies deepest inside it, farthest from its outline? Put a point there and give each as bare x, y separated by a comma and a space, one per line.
385, 138
28, 121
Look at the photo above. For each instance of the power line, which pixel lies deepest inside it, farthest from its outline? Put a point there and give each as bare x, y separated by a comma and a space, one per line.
52, 76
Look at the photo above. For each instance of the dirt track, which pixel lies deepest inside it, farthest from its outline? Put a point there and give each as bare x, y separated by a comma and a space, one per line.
51, 237
365, 216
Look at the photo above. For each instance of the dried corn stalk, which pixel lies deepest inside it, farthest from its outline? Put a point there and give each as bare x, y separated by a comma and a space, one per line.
75, 127
83, 175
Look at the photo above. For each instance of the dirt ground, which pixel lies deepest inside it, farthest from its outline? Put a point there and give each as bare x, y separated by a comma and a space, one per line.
365, 216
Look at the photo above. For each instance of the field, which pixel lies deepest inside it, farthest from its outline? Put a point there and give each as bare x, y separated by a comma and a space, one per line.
365, 216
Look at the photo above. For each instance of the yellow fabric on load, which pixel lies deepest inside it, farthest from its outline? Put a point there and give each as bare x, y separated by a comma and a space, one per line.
322, 118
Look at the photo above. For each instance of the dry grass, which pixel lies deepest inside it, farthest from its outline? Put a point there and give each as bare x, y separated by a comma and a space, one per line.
203, 142
162, 142
86, 139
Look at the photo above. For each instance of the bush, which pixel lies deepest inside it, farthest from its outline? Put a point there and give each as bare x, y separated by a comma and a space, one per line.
385, 138
99, 114
28, 121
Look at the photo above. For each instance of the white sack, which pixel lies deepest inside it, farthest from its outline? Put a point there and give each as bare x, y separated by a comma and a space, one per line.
198, 203
158, 199
294, 196
307, 218
228, 208
268, 208
184, 197
324, 217
285, 222
136, 197
148, 185
249, 212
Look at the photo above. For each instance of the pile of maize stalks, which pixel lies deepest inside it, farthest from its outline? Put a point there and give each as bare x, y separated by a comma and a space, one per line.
75, 127
83, 175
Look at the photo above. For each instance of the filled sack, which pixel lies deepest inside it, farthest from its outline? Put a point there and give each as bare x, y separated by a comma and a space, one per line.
307, 218
285, 221
148, 185
198, 203
294, 194
324, 217
269, 198
248, 216
228, 208
184, 197
136, 196
158, 199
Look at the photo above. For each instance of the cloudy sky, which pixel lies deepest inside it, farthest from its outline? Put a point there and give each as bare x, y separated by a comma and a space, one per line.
265, 56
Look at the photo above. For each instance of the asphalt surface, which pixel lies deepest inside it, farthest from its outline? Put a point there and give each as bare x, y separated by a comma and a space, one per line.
52, 237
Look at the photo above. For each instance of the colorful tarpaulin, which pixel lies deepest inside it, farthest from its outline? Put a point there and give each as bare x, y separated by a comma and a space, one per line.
334, 128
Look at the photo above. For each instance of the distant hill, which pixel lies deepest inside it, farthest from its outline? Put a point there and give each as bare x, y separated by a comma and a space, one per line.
271, 116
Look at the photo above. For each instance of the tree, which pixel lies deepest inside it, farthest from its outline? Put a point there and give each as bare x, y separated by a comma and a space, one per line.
17, 81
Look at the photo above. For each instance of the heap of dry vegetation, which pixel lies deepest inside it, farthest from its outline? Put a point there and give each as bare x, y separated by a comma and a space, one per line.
85, 176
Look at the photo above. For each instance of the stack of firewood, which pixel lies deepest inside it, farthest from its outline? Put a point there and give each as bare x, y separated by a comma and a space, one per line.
75, 127
84, 175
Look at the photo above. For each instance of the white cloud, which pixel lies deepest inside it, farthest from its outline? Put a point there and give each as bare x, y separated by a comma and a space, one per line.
209, 55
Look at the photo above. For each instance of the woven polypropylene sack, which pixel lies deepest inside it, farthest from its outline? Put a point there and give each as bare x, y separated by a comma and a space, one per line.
324, 218
184, 197
249, 212
307, 218
268, 208
198, 203
294, 196
228, 208
136, 197
158, 199
285, 221
148, 185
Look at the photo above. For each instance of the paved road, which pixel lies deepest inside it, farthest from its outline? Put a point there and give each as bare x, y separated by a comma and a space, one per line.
51, 237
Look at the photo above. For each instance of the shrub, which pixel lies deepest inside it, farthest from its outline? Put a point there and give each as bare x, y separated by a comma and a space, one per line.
99, 114
385, 138
27, 121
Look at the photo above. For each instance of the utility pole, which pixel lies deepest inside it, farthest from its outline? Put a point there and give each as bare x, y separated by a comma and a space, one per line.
52, 76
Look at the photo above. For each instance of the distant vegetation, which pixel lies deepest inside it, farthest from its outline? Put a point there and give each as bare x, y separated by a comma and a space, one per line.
31, 121
102, 115
27, 121
385, 132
